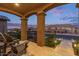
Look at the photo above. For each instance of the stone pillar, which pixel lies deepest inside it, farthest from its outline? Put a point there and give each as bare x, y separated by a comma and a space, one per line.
77, 6
41, 28
23, 28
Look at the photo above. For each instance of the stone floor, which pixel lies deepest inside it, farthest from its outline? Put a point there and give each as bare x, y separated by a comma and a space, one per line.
64, 49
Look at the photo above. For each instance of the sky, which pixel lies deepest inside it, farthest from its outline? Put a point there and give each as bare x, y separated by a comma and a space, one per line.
58, 15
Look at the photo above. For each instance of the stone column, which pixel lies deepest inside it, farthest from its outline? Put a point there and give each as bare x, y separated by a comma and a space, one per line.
41, 28
77, 6
23, 28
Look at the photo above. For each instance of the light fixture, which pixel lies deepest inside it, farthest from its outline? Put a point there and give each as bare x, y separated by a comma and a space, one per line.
55, 41
17, 4
75, 45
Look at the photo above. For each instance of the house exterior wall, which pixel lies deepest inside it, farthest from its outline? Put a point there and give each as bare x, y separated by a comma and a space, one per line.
62, 29
3, 26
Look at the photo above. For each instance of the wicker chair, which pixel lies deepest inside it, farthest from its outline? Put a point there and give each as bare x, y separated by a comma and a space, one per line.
18, 49
10, 40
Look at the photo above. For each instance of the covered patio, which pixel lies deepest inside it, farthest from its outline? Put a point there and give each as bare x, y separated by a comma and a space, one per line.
25, 10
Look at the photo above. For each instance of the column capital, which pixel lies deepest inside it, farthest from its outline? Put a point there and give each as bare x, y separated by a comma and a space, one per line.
24, 18
77, 5
41, 12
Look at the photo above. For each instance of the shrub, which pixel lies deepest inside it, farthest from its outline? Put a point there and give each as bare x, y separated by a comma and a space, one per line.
75, 45
51, 41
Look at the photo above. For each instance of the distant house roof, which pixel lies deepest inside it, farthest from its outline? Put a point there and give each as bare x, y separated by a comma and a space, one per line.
4, 18
59, 25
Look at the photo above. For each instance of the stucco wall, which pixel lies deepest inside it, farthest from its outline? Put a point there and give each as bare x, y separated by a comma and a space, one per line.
3, 26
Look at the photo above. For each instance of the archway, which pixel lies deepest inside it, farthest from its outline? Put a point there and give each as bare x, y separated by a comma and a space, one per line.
10, 11
41, 28
59, 18
41, 19
32, 28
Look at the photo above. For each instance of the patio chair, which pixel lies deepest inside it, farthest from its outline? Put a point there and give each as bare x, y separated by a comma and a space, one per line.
10, 40
18, 49
3, 40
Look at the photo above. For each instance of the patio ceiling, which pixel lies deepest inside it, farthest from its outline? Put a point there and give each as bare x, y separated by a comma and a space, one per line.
26, 8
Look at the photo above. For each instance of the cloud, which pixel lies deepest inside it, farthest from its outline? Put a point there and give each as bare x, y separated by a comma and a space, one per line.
58, 10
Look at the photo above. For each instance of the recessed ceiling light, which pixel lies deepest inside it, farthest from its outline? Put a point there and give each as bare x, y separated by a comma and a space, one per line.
17, 4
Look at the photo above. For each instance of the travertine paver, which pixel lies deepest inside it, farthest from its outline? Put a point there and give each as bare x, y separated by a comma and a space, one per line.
65, 48
35, 50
